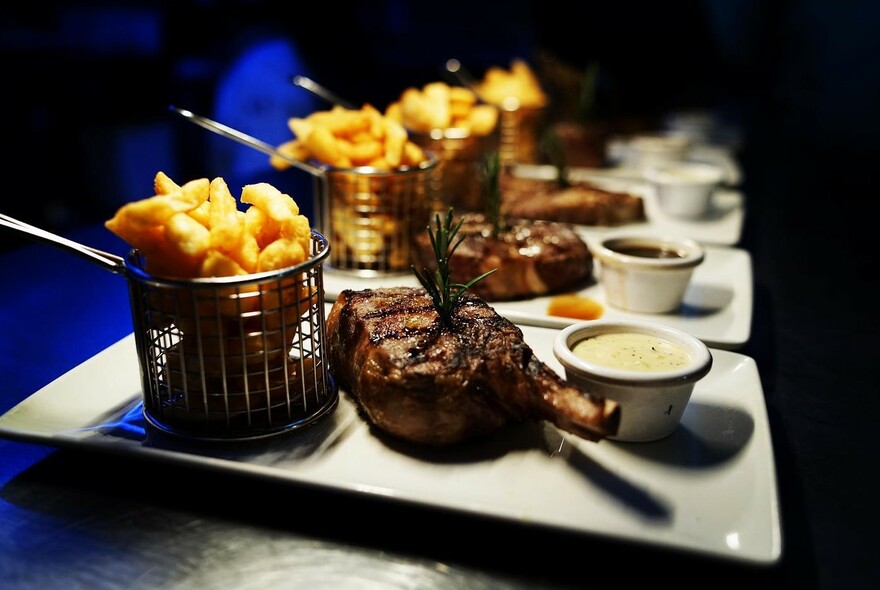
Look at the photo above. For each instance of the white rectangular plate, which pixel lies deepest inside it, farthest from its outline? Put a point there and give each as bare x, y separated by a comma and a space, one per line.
722, 225
709, 488
717, 306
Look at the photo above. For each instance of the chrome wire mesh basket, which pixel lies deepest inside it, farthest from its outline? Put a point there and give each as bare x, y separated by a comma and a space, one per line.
372, 216
233, 357
521, 129
457, 181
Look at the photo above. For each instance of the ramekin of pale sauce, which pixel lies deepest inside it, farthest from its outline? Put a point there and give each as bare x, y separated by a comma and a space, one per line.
632, 351
649, 369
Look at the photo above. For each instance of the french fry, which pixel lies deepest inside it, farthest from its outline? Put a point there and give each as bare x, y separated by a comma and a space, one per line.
294, 149
246, 252
438, 105
197, 229
345, 138
280, 254
437, 96
325, 147
187, 235
483, 119
218, 264
260, 226
413, 155
395, 139
270, 200
519, 82
163, 185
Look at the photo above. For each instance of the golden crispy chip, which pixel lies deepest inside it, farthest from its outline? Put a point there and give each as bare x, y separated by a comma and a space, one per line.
187, 235
377, 127
366, 151
415, 111
247, 252
163, 185
194, 192
437, 98
341, 122
325, 147
270, 200
147, 239
441, 106
483, 118
395, 111
218, 264
294, 149
395, 138
263, 228
462, 96
145, 213
343, 138
519, 82
379, 164
413, 155
281, 253
298, 230
198, 230
202, 213
300, 127
223, 205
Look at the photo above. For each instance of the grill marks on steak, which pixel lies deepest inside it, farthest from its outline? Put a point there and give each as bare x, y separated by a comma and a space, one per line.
531, 257
433, 383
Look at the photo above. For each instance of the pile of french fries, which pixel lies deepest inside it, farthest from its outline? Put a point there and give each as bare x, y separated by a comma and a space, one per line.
519, 82
349, 138
197, 229
437, 105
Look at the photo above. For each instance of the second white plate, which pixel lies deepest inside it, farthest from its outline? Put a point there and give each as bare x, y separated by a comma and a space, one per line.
717, 306
721, 226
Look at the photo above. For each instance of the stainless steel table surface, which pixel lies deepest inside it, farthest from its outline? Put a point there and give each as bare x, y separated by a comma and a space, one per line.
78, 519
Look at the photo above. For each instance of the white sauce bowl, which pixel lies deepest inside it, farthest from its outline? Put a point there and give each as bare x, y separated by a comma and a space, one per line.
652, 402
685, 189
646, 150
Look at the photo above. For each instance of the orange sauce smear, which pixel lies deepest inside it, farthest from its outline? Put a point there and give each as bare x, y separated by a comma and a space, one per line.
575, 306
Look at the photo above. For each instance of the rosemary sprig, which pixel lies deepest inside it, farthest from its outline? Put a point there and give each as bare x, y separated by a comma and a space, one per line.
491, 174
439, 285
551, 145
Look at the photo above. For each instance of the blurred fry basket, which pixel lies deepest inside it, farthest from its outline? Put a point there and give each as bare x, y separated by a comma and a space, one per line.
520, 132
456, 181
372, 216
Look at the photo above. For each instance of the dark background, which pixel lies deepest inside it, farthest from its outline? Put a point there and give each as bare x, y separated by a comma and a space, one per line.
87, 85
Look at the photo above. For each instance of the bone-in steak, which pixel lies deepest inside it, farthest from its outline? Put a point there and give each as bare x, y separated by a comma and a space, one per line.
530, 257
438, 383
582, 203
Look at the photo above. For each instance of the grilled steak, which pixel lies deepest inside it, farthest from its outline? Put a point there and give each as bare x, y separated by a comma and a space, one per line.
436, 383
532, 258
582, 203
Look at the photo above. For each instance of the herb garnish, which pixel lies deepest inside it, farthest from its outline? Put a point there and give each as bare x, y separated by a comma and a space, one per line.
551, 145
438, 284
491, 172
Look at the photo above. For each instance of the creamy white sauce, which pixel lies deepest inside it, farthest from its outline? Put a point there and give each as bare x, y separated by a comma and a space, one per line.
683, 174
632, 352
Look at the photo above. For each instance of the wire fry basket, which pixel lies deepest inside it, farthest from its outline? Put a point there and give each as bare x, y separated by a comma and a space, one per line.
233, 357
457, 180
521, 129
372, 216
